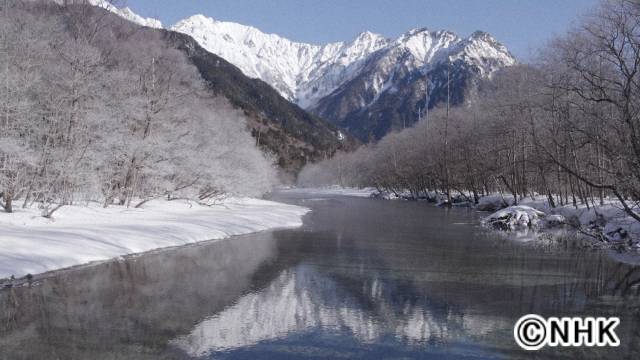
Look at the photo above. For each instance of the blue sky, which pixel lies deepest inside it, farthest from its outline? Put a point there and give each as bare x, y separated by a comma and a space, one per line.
522, 25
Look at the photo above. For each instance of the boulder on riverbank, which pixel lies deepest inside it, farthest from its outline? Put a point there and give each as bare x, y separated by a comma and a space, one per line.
515, 217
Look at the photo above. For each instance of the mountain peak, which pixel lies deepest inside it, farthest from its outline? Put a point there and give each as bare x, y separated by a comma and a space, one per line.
485, 37
425, 31
305, 73
483, 51
479, 34
369, 36
425, 46
364, 44
415, 31
127, 14
230, 31
196, 19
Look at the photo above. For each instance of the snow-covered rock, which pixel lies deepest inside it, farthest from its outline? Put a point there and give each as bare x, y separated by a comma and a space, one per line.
607, 222
514, 217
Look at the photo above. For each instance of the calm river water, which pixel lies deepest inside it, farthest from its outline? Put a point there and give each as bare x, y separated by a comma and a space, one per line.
363, 278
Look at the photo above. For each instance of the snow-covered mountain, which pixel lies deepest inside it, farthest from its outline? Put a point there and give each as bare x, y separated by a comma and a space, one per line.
390, 90
301, 72
305, 73
127, 14
368, 86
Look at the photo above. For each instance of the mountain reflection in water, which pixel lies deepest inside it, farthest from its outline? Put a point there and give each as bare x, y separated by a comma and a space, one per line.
361, 279
302, 299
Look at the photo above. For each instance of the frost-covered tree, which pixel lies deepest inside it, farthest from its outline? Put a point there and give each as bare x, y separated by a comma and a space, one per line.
96, 108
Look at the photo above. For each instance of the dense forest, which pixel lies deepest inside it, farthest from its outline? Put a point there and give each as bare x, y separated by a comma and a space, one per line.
95, 108
566, 126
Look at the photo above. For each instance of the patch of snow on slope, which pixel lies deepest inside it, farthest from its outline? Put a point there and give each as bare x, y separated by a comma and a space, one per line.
424, 44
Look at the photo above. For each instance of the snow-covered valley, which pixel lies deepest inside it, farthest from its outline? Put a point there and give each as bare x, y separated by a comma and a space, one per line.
198, 188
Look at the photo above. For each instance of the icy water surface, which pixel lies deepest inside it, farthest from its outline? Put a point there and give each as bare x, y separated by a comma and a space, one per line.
363, 278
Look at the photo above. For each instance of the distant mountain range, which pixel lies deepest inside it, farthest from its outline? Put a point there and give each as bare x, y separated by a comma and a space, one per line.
368, 86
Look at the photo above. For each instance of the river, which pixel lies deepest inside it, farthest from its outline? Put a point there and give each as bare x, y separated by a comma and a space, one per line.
362, 278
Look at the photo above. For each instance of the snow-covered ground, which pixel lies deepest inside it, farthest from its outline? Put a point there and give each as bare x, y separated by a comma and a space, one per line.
78, 235
608, 221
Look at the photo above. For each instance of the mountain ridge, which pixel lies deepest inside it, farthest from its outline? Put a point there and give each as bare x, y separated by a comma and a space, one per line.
292, 68
368, 86
305, 73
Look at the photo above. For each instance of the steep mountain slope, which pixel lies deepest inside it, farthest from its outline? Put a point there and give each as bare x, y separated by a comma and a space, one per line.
368, 86
280, 127
293, 134
391, 89
301, 72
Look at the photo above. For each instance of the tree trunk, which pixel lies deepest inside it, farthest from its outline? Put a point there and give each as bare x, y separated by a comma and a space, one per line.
8, 202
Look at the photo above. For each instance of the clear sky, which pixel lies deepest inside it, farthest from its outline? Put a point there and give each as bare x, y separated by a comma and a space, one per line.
521, 25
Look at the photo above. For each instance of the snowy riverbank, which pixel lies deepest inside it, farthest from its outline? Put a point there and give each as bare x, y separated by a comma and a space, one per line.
31, 244
607, 225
